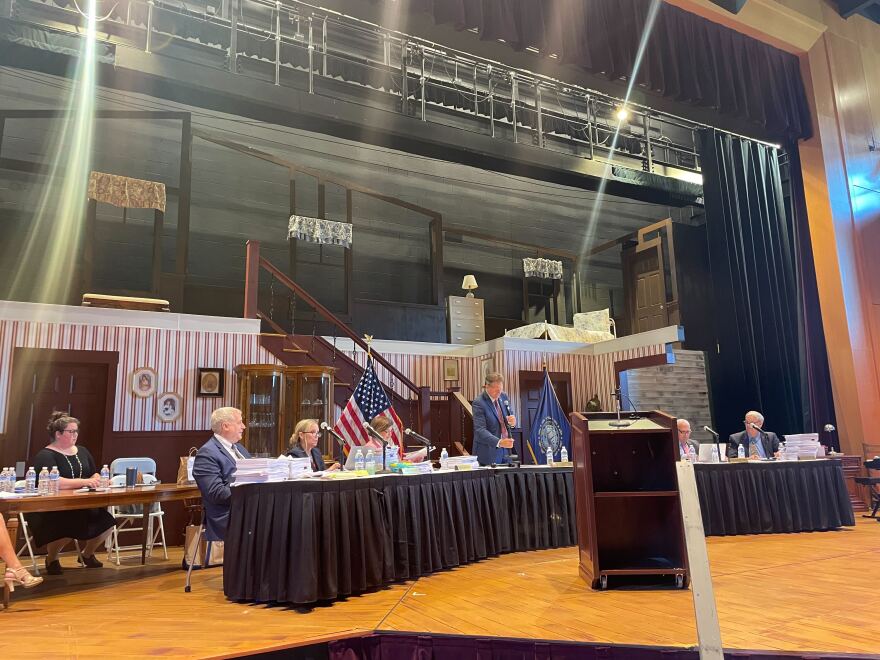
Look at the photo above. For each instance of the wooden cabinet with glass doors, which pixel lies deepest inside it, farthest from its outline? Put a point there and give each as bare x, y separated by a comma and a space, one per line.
273, 398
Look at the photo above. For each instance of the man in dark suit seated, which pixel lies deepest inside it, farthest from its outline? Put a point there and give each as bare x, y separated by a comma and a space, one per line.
214, 466
757, 442
685, 444
492, 422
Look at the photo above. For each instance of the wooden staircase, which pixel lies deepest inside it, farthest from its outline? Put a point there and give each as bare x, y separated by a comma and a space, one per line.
414, 410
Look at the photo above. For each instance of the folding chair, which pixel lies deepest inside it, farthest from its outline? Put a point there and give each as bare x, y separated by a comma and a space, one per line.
187, 588
127, 517
872, 482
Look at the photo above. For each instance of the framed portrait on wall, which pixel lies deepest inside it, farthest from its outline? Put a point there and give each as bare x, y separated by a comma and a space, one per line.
487, 366
169, 405
210, 382
450, 369
143, 382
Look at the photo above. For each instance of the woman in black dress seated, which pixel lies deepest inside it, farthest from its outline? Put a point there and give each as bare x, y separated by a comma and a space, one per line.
304, 442
55, 529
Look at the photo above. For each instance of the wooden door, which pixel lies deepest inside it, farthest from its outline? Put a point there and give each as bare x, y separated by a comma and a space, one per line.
42, 386
530, 383
646, 287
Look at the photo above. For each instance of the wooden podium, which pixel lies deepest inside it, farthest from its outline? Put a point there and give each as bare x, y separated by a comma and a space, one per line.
626, 499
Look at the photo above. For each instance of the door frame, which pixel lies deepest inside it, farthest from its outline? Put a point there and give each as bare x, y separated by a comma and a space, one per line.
630, 290
556, 377
21, 357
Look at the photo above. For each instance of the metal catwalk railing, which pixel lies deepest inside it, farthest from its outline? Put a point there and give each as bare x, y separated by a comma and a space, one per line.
296, 44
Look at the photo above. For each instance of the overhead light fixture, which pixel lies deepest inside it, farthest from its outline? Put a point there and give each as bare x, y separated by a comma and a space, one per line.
622, 113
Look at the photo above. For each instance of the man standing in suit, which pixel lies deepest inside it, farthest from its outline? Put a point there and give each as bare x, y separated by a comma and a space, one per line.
214, 466
757, 442
493, 421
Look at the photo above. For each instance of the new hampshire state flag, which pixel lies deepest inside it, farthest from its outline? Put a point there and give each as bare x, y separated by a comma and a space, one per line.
550, 427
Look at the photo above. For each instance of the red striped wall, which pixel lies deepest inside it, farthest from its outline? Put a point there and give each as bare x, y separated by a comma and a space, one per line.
175, 355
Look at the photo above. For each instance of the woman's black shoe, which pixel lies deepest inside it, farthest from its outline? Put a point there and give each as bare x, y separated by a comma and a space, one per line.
53, 567
90, 562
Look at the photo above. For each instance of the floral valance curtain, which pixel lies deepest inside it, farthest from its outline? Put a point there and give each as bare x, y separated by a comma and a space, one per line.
316, 230
126, 192
546, 268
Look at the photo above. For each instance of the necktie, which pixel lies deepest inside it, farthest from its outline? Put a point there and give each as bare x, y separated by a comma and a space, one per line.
235, 451
504, 433
753, 448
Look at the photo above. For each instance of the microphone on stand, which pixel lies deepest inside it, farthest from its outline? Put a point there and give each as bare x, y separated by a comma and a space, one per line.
618, 423
717, 444
420, 438
378, 436
829, 429
326, 427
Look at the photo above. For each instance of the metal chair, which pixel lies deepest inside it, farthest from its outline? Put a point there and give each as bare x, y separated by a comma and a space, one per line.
872, 482
127, 517
187, 588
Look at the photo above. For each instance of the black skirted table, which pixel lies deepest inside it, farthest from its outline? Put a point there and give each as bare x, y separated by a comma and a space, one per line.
300, 542
773, 497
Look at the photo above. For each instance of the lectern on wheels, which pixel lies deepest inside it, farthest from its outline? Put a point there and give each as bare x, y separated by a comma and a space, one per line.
626, 498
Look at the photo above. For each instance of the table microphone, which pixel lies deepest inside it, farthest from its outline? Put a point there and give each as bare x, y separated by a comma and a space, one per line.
373, 432
418, 437
326, 427
709, 430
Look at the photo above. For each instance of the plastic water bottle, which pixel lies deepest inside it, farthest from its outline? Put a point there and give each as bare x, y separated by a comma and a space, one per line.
691, 455
444, 459
549, 456
741, 451
359, 460
105, 477
43, 482
54, 481
563, 455
4, 481
10, 480
370, 462
30, 481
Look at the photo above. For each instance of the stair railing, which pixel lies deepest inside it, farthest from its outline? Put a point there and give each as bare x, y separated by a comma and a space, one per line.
254, 263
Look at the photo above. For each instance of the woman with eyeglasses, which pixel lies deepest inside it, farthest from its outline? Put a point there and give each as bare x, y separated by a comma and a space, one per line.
78, 469
304, 442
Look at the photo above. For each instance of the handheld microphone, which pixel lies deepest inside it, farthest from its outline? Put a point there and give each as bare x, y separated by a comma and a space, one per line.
326, 427
373, 432
829, 428
418, 437
709, 430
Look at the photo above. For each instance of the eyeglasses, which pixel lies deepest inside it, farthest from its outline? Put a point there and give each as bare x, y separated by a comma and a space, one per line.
309, 432
71, 431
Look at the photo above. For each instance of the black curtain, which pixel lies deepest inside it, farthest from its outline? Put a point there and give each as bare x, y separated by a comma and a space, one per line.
688, 58
764, 304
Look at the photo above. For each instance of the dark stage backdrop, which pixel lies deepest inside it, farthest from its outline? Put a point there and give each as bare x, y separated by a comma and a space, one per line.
688, 58
771, 348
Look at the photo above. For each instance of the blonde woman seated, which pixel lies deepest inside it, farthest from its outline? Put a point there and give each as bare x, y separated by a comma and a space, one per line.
304, 442
16, 574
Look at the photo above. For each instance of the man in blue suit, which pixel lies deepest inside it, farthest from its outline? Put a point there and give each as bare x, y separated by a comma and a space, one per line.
493, 421
214, 466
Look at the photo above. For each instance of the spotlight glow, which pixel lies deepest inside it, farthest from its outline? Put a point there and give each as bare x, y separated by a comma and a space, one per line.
48, 269
622, 113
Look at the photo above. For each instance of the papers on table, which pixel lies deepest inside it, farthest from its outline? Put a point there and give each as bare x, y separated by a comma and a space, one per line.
462, 463
416, 456
262, 470
16, 496
802, 445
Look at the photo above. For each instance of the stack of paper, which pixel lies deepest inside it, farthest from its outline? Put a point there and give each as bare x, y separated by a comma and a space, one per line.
299, 467
804, 445
462, 463
261, 470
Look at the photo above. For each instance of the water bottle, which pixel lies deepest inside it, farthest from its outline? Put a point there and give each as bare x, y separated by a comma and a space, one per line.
43, 482
10, 480
563, 455
691, 454
54, 481
549, 456
359, 460
444, 459
30, 481
4, 481
741, 451
370, 462
105, 477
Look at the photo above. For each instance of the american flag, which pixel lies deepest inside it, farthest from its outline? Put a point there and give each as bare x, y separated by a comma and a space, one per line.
368, 401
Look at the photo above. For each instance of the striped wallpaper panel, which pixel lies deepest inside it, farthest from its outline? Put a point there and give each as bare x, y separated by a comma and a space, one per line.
176, 355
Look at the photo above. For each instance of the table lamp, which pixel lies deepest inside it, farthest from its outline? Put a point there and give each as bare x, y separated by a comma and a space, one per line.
469, 283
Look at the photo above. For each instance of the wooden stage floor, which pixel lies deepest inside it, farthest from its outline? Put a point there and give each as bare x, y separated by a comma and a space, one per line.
792, 592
